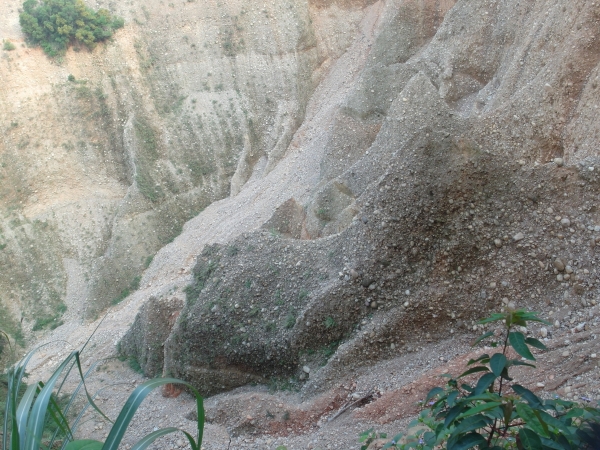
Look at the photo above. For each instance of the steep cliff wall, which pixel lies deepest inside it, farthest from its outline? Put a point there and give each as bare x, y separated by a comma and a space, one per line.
183, 107
439, 173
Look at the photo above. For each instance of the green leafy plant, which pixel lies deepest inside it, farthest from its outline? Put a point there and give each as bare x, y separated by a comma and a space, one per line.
368, 436
56, 24
9, 46
329, 322
494, 412
28, 418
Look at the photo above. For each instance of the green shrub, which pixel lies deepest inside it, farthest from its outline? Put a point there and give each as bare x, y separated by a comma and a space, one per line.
56, 24
9, 46
495, 413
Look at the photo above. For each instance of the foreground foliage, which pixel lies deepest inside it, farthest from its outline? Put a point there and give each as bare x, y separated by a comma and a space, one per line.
56, 24
36, 419
495, 413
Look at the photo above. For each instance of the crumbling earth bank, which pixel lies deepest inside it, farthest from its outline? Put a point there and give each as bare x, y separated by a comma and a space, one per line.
465, 197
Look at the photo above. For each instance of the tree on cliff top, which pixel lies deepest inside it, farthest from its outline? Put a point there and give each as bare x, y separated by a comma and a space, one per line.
56, 24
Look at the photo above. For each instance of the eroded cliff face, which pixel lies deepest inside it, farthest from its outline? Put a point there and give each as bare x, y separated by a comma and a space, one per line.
185, 105
374, 176
445, 162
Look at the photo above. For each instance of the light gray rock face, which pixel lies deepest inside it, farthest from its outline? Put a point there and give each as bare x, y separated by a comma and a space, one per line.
186, 105
436, 172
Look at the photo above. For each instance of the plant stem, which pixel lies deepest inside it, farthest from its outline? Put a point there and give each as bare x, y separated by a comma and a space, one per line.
494, 429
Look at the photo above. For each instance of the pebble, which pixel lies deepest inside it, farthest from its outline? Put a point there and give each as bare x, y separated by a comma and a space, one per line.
498, 243
565, 222
540, 385
518, 237
559, 264
367, 282
559, 277
566, 353
543, 332
353, 274
569, 269
556, 324
306, 369
559, 162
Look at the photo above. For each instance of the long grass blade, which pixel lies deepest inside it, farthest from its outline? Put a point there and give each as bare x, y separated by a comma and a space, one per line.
24, 408
35, 424
134, 401
70, 403
77, 420
143, 443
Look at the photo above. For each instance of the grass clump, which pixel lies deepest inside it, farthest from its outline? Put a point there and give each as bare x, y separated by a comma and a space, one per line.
39, 416
56, 24
8, 46
495, 412
51, 321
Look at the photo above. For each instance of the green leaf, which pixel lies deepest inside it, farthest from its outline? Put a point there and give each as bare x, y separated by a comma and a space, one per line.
452, 398
516, 362
393, 442
453, 413
531, 419
484, 382
529, 316
549, 443
474, 370
498, 363
533, 400
84, 444
493, 318
480, 359
471, 424
505, 375
482, 337
575, 412
517, 340
432, 393
529, 439
507, 410
535, 343
479, 408
466, 441
553, 422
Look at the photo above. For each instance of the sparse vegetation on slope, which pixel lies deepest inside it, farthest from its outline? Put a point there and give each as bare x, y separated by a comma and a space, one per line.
496, 412
56, 24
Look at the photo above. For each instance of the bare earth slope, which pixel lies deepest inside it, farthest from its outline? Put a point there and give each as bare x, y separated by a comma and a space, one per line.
442, 163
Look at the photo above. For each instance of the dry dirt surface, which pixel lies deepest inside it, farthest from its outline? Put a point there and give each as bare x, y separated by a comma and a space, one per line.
384, 396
